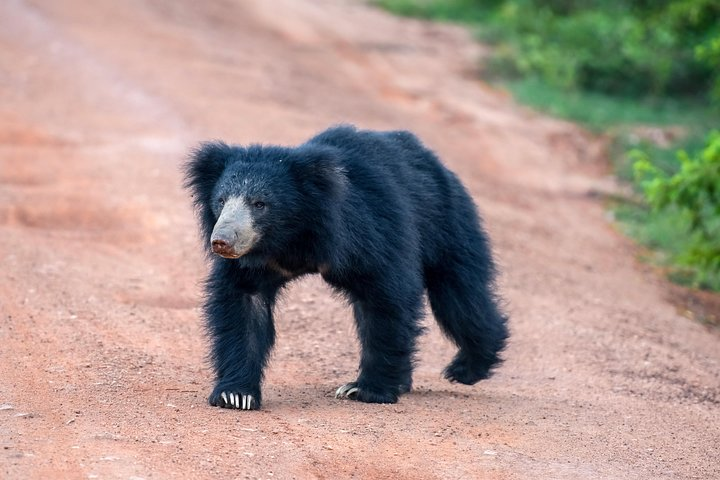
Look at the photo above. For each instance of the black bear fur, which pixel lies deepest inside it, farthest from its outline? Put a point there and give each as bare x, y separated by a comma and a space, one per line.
381, 219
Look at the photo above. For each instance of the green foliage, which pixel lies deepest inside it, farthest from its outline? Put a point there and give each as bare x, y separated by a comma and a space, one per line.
664, 159
621, 47
463, 11
709, 52
691, 198
600, 111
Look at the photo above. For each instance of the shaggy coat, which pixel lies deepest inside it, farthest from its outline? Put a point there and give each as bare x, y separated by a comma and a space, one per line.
383, 222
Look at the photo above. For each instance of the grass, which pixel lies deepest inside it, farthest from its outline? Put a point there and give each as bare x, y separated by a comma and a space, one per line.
460, 11
666, 236
600, 112
665, 159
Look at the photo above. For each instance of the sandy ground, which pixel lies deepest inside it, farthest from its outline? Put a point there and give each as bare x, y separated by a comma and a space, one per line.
102, 369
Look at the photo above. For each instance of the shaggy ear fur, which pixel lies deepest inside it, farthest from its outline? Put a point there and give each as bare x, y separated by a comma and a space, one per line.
318, 170
202, 172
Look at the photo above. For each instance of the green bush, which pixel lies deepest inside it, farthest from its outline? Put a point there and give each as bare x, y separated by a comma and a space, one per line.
618, 47
692, 195
632, 48
709, 52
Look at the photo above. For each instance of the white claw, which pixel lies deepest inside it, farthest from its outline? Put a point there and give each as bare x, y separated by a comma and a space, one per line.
341, 391
232, 399
345, 391
237, 400
250, 402
244, 402
224, 397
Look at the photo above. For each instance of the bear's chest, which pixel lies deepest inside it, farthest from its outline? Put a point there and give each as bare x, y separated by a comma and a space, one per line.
289, 271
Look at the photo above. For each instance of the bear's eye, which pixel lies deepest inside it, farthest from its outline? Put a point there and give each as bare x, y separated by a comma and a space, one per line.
221, 201
259, 205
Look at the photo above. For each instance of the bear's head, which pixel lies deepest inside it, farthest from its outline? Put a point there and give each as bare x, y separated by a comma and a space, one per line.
262, 199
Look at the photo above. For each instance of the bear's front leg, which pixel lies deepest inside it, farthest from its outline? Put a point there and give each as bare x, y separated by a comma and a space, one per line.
388, 328
242, 334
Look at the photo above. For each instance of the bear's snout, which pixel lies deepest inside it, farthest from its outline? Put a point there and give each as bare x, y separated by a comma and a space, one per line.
233, 235
222, 247
229, 243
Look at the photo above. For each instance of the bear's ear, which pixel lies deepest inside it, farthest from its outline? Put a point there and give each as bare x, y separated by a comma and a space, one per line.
318, 170
205, 165
203, 169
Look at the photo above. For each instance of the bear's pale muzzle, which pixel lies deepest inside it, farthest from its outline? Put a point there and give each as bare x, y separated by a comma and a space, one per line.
233, 235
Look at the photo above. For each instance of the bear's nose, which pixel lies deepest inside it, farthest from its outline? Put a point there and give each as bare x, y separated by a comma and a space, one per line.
220, 246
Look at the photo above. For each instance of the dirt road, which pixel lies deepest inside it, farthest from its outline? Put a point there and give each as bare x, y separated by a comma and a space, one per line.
102, 371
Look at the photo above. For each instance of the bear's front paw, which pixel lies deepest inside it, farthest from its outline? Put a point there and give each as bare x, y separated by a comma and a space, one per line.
354, 391
232, 398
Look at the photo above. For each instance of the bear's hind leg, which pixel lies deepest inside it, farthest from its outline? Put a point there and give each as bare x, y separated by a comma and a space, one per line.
464, 304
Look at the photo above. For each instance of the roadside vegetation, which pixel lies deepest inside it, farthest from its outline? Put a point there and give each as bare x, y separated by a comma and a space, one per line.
620, 67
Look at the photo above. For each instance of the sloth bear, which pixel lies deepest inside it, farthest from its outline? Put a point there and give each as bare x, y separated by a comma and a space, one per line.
380, 218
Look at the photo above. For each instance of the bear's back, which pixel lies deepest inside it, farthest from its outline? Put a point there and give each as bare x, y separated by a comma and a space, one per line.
392, 172
386, 156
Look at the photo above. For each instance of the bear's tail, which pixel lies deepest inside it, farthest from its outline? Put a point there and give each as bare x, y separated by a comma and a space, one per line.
463, 300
